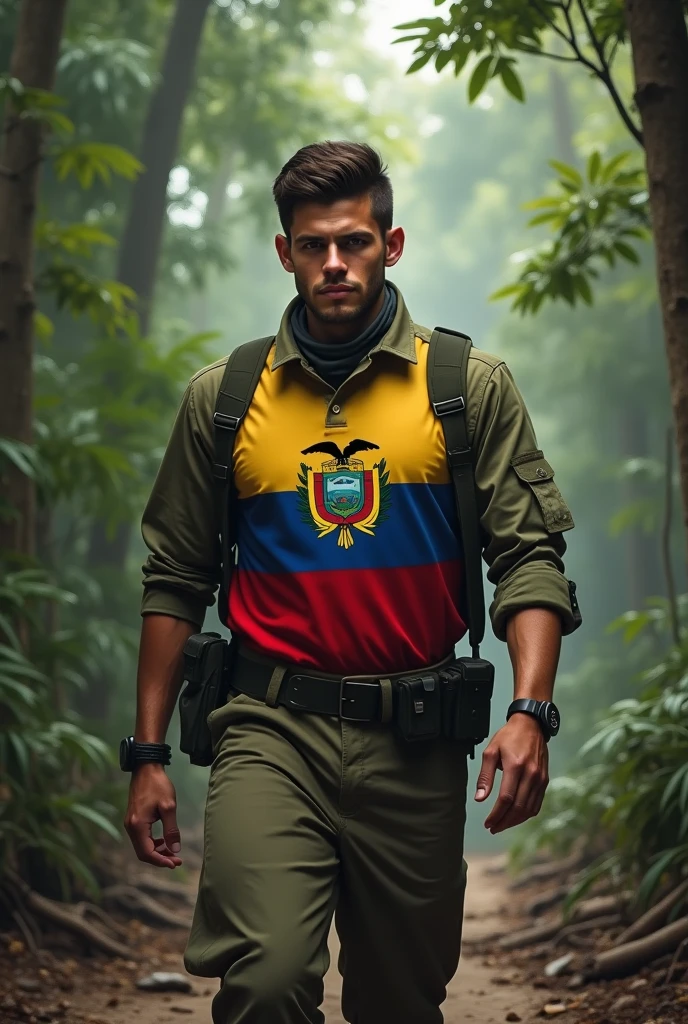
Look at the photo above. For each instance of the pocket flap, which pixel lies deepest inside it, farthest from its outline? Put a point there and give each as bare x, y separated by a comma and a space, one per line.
532, 467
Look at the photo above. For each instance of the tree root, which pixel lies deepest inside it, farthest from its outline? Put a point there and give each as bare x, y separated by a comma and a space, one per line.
530, 936
25, 923
64, 917
548, 900
547, 872
109, 923
133, 900
676, 960
589, 925
598, 906
655, 917
625, 959
149, 883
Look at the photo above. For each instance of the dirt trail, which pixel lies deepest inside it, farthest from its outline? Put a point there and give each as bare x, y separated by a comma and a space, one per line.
473, 994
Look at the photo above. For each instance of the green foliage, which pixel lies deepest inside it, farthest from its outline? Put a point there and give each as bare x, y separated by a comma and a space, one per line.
631, 801
88, 161
49, 804
596, 220
491, 32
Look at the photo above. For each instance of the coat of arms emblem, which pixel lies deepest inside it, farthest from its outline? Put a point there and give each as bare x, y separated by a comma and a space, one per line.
343, 493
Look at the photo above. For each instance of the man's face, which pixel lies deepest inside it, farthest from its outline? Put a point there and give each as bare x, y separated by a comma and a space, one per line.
338, 257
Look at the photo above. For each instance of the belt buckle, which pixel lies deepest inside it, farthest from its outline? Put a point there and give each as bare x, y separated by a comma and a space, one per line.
370, 681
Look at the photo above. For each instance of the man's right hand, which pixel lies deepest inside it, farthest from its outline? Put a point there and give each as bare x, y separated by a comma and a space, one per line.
152, 798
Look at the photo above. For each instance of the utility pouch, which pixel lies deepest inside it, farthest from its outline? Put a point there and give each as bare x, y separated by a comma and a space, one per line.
207, 668
419, 707
467, 687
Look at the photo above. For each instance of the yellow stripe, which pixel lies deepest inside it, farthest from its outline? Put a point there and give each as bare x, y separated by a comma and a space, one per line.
386, 404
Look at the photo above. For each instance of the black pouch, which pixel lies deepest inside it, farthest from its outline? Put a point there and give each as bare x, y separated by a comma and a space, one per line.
207, 668
467, 692
419, 707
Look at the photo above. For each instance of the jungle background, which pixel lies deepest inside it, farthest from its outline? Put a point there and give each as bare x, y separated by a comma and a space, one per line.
153, 257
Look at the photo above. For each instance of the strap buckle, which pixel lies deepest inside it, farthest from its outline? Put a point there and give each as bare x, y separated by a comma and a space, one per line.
449, 405
459, 457
344, 699
226, 422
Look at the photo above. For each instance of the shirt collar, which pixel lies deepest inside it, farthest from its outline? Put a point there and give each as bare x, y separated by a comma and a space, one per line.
400, 339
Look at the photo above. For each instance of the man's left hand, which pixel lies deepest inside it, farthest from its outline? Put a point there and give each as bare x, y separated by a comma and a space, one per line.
520, 751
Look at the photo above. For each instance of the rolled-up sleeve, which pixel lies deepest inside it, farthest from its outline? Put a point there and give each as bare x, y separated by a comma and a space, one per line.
180, 524
522, 512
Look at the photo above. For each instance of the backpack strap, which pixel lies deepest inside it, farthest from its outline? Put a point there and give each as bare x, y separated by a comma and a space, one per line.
239, 383
447, 387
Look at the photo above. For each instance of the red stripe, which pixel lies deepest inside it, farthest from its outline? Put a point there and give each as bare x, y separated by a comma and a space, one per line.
350, 621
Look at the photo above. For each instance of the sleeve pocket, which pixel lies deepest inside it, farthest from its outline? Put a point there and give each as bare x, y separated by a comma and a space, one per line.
535, 471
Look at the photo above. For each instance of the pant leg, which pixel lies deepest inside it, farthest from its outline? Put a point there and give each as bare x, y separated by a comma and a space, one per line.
403, 879
268, 884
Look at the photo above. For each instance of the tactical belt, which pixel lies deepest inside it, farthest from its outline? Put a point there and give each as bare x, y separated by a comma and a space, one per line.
355, 698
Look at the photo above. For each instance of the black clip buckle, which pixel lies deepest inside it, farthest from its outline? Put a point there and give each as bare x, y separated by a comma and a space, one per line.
449, 405
369, 681
226, 422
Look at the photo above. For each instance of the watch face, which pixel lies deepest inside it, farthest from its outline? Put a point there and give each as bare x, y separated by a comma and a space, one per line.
550, 716
125, 754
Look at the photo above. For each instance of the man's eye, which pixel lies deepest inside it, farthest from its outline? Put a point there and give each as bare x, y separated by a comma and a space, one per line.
312, 245
357, 241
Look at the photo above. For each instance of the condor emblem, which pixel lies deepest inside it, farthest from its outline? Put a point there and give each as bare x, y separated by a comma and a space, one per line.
343, 494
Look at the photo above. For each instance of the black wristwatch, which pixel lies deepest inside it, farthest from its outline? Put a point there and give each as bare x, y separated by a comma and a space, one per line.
545, 711
132, 753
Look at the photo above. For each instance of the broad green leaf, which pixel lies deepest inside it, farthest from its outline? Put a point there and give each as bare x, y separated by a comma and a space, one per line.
594, 164
512, 83
442, 59
480, 77
420, 62
506, 292
567, 172
627, 252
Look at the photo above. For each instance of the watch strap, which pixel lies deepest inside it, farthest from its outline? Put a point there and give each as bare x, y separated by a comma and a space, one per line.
155, 752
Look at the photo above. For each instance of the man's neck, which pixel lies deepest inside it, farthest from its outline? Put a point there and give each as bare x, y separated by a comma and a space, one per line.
321, 330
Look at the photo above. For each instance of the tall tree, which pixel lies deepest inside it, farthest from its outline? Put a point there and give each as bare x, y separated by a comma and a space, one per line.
139, 251
33, 62
659, 42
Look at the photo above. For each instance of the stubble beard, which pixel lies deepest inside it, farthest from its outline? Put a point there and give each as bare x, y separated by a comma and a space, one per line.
372, 294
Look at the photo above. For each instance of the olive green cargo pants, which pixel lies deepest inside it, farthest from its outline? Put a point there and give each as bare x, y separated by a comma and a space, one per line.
308, 815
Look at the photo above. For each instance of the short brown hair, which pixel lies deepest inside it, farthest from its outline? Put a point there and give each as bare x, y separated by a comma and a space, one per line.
326, 171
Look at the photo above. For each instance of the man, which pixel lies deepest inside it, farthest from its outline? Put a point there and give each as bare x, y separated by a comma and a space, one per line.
310, 814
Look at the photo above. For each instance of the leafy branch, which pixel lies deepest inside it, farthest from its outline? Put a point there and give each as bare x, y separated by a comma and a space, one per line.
493, 31
596, 222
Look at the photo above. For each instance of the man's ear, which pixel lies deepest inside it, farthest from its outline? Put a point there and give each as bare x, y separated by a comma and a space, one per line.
284, 252
394, 246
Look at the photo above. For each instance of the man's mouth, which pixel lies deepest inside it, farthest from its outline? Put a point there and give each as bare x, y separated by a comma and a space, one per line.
336, 291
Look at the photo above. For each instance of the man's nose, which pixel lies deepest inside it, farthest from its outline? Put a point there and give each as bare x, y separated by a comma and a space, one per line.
334, 264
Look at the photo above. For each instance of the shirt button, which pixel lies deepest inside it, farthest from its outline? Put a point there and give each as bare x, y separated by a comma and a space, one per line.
336, 409
540, 472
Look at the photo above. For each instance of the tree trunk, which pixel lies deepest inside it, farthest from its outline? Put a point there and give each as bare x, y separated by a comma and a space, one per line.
659, 40
642, 548
139, 251
214, 213
140, 246
33, 62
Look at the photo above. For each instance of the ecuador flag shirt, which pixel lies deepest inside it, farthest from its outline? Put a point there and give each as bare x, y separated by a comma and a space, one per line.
348, 550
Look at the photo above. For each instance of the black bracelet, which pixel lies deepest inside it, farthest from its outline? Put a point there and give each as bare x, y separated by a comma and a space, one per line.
132, 753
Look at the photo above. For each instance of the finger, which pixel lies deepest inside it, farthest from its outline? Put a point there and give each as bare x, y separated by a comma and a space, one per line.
162, 848
170, 830
526, 794
144, 847
507, 794
488, 770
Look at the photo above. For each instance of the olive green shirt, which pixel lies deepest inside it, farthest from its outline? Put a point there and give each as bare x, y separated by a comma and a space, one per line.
522, 513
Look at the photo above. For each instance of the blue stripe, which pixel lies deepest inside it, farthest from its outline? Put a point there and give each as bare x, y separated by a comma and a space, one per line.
421, 530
